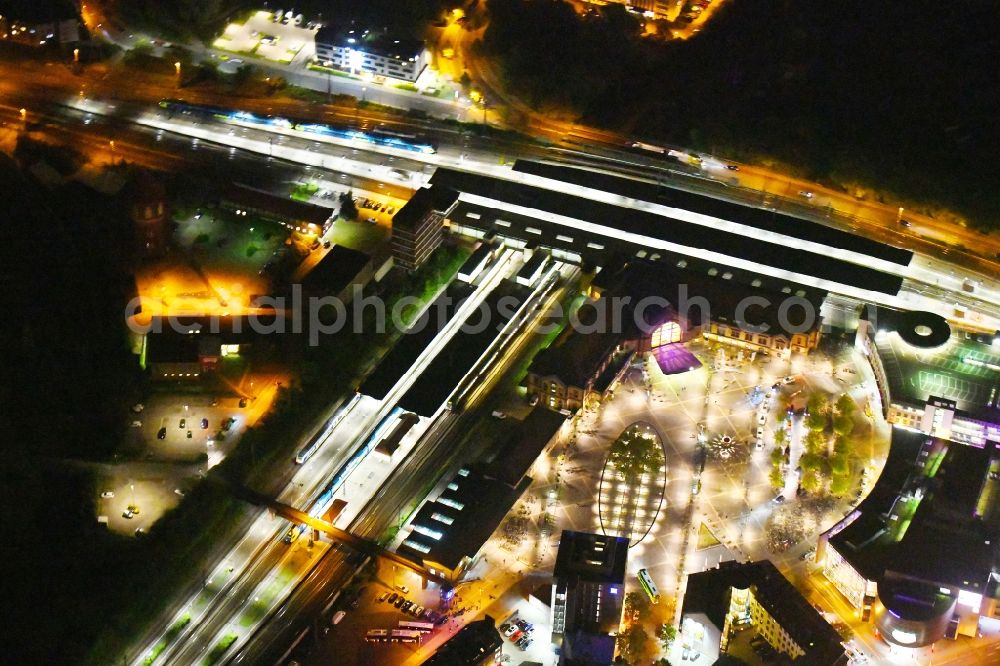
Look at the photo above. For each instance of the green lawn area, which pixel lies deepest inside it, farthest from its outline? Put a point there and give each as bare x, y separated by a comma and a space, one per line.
220, 648
167, 639
304, 191
705, 538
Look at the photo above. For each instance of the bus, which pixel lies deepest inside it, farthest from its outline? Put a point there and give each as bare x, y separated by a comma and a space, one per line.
377, 636
422, 627
648, 586
405, 636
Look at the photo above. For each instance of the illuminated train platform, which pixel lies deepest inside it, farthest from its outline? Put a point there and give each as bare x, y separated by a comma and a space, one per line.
579, 223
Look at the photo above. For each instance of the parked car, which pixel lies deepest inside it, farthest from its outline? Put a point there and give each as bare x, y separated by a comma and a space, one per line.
508, 629
393, 597
108, 494
182, 424
382, 597
418, 611
161, 433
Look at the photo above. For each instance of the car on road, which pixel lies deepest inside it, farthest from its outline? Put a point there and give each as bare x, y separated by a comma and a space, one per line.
790, 379
182, 424
179, 492
136, 424
732, 167
806, 194
337, 617
127, 515
906, 223
204, 424
497, 414
162, 433
779, 499
189, 434
108, 494
227, 423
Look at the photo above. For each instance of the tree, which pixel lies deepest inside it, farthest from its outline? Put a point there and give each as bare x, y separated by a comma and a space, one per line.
818, 403
635, 453
465, 81
840, 485
840, 464
815, 442
777, 479
845, 404
348, 210
810, 482
780, 435
777, 457
632, 642
816, 421
637, 605
843, 425
667, 633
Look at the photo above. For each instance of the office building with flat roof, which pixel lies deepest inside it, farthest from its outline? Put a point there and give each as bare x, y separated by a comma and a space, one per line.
588, 593
918, 556
417, 226
363, 51
721, 602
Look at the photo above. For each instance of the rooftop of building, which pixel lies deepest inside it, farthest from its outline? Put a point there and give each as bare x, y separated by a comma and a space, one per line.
708, 592
457, 523
595, 229
370, 41
758, 218
32, 12
929, 517
462, 518
477, 258
442, 375
283, 207
962, 367
575, 357
423, 201
473, 644
335, 271
182, 339
726, 292
417, 338
523, 447
589, 557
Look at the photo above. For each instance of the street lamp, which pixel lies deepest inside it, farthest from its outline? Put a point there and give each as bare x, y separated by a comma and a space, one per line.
24, 114
177, 68
76, 55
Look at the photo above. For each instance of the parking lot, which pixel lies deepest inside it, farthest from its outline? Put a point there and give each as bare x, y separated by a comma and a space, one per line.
152, 488
284, 41
184, 428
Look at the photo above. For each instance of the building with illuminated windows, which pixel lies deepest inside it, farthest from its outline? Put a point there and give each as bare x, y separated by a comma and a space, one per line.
932, 378
448, 531
642, 307
361, 51
719, 604
918, 557
417, 226
588, 592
